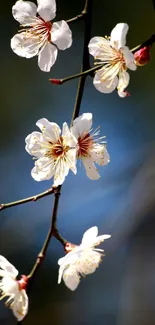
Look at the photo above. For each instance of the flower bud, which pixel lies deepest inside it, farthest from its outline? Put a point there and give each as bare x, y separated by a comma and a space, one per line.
142, 56
56, 81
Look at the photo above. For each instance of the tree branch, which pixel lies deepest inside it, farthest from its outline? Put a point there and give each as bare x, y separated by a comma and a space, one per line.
148, 42
28, 199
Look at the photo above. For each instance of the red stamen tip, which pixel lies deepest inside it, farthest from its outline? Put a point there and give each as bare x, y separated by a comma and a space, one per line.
56, 81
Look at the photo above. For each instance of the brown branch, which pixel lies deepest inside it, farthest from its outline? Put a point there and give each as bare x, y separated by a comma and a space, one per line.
28, 199
148, 42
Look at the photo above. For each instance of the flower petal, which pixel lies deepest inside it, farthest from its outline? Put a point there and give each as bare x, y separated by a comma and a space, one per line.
89, 236
20, 307
61, 171
123, 82
71, 278
8, 267
97, 44
34, 144
71, 160
50, 130
24, 46
106, 86
89, 262
24, 11
99, 154
118, 35
47, 57
61, 35
68, 137
47, 9
44, 169
82, 124
100, 239
91, 170
129, 58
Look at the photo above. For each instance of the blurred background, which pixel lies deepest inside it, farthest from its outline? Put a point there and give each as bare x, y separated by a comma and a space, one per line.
121, 202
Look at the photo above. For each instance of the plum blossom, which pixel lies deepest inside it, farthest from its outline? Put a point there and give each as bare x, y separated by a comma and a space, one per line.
39, 36
13, 289
116, 59
90, 148
55, 153
81, 260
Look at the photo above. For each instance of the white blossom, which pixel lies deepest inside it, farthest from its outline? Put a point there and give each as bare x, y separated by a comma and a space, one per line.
39, 36
55, 153
13, 289
116, 59
81, 260
90, 148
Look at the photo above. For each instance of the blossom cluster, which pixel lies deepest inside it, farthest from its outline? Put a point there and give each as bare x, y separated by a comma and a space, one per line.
80, 260
40, 36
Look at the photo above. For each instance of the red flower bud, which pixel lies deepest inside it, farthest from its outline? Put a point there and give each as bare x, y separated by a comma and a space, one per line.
56, 81
142, 56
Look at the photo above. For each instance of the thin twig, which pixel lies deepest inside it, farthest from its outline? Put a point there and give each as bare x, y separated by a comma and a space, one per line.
86, 72
148, 42
28, 199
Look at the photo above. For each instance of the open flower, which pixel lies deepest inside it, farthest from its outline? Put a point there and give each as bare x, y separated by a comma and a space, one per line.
82, 259
39, 36
90, 148
55, 153
13, 289
116, 59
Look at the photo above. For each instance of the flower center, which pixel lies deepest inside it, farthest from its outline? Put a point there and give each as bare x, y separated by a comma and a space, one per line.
57, 149
39, 29
85, 143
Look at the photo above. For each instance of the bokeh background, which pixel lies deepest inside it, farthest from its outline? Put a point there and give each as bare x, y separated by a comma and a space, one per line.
122, 202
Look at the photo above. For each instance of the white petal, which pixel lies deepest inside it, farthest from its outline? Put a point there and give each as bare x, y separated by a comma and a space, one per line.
20, 307
91, 170
61, 171
69, 259
71, 160
43, 170
100, 239
99, 154
118, 35
82, 124
89, 262
61, 35
123, 81
106, 86
8, 267
129, 58
47, 57
24, 46
46, 9
89, 236
97, 44
24, 11
71, 278
34, 144
68, 138
50, 130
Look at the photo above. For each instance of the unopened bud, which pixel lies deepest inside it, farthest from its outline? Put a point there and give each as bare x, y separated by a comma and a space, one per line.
56, 81
142, 56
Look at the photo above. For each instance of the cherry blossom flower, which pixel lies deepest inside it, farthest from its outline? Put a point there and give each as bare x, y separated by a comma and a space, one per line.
116, 59
90, 148
13, 289
81, 260
39, 36
55, 153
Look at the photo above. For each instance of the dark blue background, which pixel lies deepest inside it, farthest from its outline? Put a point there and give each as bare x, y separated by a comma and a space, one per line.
122, 290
